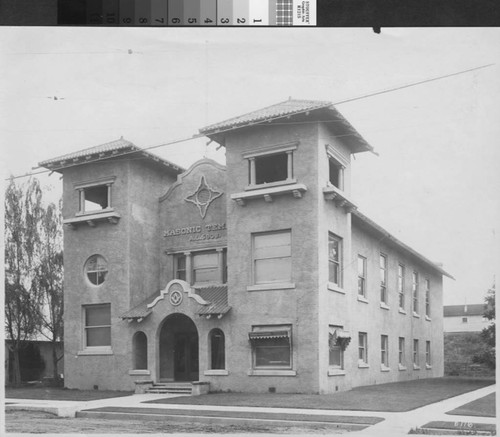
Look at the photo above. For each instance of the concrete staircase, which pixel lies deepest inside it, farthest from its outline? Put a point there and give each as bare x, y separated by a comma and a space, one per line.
185, 388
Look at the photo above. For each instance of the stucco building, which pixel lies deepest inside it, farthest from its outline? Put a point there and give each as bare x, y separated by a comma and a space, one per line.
261, 275
465, 318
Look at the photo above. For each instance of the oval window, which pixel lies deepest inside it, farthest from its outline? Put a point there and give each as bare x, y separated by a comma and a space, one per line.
96, 269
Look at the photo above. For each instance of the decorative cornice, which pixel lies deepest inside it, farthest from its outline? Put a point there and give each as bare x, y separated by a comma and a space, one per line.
186, 288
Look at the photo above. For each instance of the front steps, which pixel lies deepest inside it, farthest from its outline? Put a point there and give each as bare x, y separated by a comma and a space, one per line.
185, 388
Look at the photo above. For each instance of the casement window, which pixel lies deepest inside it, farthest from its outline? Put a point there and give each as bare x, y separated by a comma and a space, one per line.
336, 351
97, 325
271, 346
272, 257
401, 352
273, 165
428, 356
414, 288
401, 286
94, 196
383, 278
202, 267
415, 353
363, 347
384, 350
361, 276
217, 349
427, 298
96, 269
140, 350
334, 259
335, 173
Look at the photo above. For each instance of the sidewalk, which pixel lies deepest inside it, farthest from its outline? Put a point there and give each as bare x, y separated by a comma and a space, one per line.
393, 424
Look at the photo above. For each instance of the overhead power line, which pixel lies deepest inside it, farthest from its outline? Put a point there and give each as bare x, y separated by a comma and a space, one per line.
267, 120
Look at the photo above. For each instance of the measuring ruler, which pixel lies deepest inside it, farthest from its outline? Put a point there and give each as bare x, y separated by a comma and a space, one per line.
199, 12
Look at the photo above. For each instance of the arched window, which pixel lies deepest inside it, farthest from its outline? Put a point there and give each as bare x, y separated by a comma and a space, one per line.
140, 351
217, 349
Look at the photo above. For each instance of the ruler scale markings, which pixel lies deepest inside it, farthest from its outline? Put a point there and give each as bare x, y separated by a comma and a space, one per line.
208, 12
259, 13
224, 12
191, 12
94, 12
241, 14
159, 12
126, 12
110, 12
175, 12
142, 12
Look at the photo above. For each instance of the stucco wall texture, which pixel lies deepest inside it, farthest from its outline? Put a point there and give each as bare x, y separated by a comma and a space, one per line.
140, 260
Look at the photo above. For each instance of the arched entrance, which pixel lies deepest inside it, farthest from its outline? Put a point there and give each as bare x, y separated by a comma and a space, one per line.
178, 349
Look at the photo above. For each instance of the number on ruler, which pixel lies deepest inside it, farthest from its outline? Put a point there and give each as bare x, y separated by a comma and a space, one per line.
160, 20
224, 20
240, 20
127, 20
208, 21
192, 20
176, 20
143, 20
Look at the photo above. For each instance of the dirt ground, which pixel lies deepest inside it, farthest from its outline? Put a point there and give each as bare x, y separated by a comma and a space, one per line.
40, 423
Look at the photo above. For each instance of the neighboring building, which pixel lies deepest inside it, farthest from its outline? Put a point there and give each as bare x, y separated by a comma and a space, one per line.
464, 318
258, 276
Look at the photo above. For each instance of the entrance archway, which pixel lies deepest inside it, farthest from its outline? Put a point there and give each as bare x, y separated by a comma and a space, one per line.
178, 349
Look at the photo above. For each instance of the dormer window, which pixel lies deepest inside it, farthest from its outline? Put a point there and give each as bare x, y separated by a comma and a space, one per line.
95, 196
270, 166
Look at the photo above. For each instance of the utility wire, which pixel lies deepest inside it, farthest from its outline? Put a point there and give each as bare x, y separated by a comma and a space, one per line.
267, 120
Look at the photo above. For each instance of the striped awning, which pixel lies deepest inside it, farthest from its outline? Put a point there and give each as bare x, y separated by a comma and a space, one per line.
268, 335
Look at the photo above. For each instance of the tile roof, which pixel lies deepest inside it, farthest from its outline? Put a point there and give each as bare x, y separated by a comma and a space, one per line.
279, 110
216, 295
463, 310
288, 108
113, 148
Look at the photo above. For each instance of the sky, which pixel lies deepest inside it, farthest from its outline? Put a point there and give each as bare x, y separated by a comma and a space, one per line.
434, 183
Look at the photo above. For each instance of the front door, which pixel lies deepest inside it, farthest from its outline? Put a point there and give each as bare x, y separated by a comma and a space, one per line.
186, 357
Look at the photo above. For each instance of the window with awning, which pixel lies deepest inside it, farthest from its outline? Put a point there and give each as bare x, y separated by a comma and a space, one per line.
271, 348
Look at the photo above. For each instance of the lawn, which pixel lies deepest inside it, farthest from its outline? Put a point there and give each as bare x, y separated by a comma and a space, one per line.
485, 407
394, 397
61, 394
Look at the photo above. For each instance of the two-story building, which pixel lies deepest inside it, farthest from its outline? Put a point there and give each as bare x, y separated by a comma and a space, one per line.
261, 275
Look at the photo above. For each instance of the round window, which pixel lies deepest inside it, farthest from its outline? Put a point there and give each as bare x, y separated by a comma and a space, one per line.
96, 269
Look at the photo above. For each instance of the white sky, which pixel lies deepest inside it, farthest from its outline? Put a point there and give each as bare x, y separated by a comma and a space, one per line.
435, 184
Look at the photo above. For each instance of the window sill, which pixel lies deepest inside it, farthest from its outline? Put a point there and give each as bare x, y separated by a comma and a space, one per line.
415, 367
271, 184
363, 365
384, 306
265, 287
336, 372
384, 368
401, 367
362, 299
334, 287
92, 219
96, 351
95, 212
270, 372
139, 372
268, 193
216, 372
417, 316
401, 311
427, 318
339, 197
428, 367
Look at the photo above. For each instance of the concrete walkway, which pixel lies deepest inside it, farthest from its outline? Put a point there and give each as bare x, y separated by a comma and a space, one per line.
394, 424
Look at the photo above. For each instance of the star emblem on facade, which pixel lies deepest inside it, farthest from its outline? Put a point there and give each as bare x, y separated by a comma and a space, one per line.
203, 196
